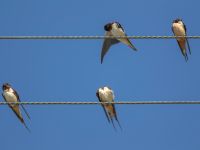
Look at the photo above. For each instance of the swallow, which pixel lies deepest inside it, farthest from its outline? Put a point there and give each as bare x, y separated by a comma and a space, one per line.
10, 95
106, 94
179, 29
114, 29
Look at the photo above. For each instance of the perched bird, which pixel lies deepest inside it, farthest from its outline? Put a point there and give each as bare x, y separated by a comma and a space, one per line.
106, 94
10, 95
114, 29
179, 29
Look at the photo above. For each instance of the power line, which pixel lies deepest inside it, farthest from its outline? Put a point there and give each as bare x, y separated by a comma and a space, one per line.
88, 37
97, 103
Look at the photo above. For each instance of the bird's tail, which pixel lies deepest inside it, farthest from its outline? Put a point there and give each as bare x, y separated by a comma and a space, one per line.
16, 110
185, 55
188, 45
113, 124
118, 122
184, 52
133, 47
27, 114
26, 127
128, 42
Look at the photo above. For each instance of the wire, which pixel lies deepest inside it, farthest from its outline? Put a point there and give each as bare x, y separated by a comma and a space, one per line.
97, 103
89, 37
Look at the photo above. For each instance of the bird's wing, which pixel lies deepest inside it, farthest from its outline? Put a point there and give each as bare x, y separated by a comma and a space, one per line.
17, 95
113, 108
125, 40
97, 94
115, 115
187, 39
106, 45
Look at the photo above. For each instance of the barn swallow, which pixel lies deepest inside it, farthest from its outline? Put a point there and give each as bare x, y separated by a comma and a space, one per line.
114, 29
179, 29
10, 95
106, 94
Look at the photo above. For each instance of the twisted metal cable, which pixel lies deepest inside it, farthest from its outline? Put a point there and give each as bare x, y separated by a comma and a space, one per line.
89, 37
98, 103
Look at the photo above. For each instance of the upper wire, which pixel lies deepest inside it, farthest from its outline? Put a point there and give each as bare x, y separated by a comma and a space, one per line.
98, 103
89, 37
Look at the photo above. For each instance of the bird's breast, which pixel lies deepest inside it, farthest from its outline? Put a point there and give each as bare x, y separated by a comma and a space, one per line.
117, 31
178, 30
10, 97
106, 97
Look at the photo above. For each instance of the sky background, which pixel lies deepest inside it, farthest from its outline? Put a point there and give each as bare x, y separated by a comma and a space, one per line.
70, 70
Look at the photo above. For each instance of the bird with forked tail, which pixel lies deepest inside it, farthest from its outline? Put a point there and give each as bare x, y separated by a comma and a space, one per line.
116, 30
106, 94
10, 95
179, 29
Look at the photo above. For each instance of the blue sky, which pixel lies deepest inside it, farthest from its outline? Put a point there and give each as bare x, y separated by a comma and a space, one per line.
70, 70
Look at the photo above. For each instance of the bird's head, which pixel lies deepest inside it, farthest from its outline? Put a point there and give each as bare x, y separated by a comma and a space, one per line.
108, 27
6, 86
177, 20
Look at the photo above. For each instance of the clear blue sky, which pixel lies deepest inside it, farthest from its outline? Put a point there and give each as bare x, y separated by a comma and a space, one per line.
70, 70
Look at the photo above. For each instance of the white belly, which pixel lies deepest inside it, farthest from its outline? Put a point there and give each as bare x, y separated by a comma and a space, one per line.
106, 97
178, 30
117, 31
10, 97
